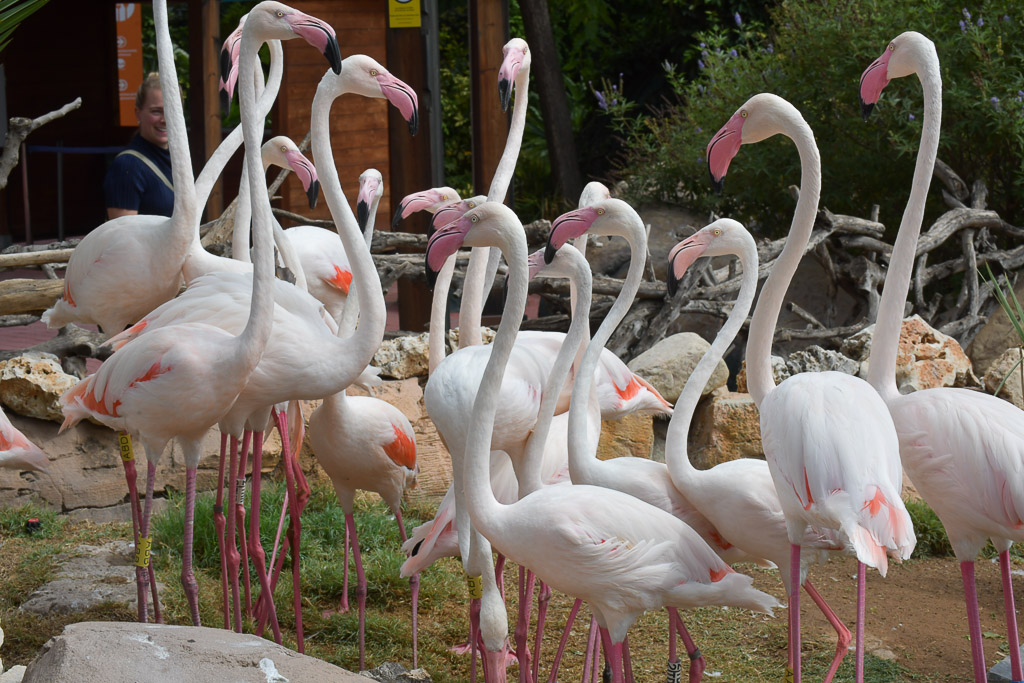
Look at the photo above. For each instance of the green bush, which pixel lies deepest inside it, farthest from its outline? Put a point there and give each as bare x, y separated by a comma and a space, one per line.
813, 55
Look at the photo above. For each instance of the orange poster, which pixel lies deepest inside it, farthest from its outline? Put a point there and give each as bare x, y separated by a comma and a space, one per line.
129, 58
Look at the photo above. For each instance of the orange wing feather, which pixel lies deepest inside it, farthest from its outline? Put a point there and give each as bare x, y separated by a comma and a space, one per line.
402, 450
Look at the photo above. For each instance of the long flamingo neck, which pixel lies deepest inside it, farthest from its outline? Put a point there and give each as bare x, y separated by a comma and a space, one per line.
472, 307
583, 465
257, 331
762, 326
581, 280
483, 507
676, 454
884, 345
507, 164
438, 314
350, 316
184, 211
361, 346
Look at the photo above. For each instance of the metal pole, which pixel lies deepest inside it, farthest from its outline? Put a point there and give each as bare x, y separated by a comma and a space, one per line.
432, 41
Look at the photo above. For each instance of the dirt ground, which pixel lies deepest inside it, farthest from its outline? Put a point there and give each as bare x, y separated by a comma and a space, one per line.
917, 612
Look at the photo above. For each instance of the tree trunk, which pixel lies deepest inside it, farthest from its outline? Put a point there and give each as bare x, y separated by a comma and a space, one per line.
554, 106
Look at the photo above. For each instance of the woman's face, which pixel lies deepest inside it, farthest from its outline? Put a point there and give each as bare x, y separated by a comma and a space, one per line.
152, 126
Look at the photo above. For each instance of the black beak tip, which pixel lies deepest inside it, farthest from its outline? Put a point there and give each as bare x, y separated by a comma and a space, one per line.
225, 100
866, 109
362, 214
431, 276
431, 230
225, 63
313, 193
333, 54
716, 184
398, 216
505, 93
414, 122
549, 252
672, 282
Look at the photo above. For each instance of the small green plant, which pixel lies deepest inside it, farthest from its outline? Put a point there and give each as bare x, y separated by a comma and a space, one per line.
1014, 313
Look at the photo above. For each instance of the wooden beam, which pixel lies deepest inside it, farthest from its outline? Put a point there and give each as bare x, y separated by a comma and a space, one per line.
488, 33
28, 296
409, 162
35, 258
211, 96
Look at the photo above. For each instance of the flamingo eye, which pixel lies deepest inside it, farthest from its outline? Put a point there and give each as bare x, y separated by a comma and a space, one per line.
284, 148
444, 196
743, 113
600, 212
279, 14
373, 72
474, 218
716, 232
892, 46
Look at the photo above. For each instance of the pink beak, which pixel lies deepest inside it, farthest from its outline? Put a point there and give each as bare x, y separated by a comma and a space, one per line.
510, 66
443, 244
304, 169
536, 263
411, 203
402, 97
318, 34
568, 226
873, 81
723, 147
683, 255
448, 214
229, 66
367, 193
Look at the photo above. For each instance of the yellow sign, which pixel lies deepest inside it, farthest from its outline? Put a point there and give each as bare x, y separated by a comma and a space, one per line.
404, 13
125, 443
143, 551
128, 16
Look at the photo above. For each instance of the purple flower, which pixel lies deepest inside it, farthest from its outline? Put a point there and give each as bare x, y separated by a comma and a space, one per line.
703, 45
770, 49
1006, 17
733, 53
995, 102
981, 21
736, 17
963, 26
699, 129
615, 88
700, 160
700, 63
614, 102
967, 15
601, 102
911, 117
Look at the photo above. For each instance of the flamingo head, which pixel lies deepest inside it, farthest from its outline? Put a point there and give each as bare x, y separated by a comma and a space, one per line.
363, 75
481, 226
277, 20
516, 57
724, 236
427, 200
592, 193
901, 58
371, 187
283, 152
605, 217
760, 117
536, 263
229, 64
449, 212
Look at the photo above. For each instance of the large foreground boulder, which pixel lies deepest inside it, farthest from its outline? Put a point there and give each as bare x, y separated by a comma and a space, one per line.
668, 364
128, 652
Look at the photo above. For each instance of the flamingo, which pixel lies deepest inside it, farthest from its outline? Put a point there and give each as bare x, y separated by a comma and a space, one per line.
963, 450
199, 368
830, 444
610, 549
17, 452
737, 497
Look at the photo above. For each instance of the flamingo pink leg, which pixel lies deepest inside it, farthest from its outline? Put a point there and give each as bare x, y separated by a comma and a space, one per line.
564, 641
1011, 617
474, 635
842, 632
591, 662
131, 476
255, 547
543, 598
973, 621
151, 570
794, 611
697, 663
861, 608
627, 664
613, 652
240, 514
295, 533
522, 632
350, 523
188, 578
232, 557
499, 574
277, 561
414, 590
219, 523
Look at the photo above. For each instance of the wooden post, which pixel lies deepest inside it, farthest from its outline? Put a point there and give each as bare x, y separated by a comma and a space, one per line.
488, 32
204, 103
409, 161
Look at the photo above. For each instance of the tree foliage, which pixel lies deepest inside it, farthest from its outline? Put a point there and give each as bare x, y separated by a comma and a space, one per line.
12, 13
813, 54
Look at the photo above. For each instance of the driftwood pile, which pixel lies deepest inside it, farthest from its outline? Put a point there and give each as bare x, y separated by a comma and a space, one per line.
947, 290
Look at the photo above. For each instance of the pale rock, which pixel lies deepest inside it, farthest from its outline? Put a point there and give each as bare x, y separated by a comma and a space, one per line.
816, 359
392, 672
925, 357
93, 652
994, 336
998, 369
31, 384
403, 357
668, 364
728, 427
630, 436
779, 372
13, 675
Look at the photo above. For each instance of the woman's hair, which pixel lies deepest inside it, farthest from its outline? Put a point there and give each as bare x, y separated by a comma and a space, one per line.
150, 82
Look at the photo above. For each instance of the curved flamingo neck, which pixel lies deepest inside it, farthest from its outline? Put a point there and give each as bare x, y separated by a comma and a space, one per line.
438, 336
676, 453
583, 465
581, 282
184, 212
484, 508
350, 315
513, 143
762, 326
885, 343
360, 346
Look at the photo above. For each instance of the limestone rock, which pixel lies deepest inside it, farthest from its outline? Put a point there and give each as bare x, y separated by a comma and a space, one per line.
668, 364
779, 372
997, 370
631, 436
31, 384
1002, 671
995, 336
89, 576
925, 358
403, 357
728, 427
816, 359
392, 672
13, 675
90, 652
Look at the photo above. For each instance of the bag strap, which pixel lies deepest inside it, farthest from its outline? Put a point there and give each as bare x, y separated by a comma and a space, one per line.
148, 162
